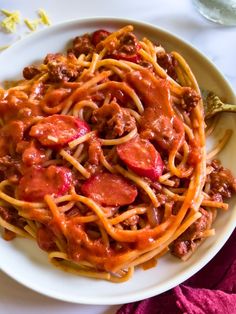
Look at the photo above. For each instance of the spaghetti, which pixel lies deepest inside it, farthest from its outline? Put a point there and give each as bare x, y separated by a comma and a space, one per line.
102, 157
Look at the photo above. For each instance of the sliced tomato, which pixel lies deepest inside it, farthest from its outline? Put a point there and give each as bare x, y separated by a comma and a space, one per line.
109, 189
141, 157
135, 58
38, 181
57, 130
99, 35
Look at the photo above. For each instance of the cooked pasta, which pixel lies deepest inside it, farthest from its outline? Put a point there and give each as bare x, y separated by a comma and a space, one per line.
103, 159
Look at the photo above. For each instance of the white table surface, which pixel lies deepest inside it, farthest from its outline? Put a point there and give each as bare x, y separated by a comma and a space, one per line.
179, 17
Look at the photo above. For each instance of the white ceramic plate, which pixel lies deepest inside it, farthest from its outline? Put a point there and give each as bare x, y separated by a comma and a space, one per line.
25, 262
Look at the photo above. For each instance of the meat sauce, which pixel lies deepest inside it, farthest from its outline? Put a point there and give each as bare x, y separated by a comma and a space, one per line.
159, 123
30, 130
190, 239
222, 185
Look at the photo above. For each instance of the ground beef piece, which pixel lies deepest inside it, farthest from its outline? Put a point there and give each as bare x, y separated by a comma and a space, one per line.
94, 151
162, 198
5, 214
7, 162
61, 68
112, 120
127, 49
176, 181
70, 58
13, 131
146, 64
33, 155
10, 135
92, 168
190, 239
199, 226
9, 107
152, 128
181, 248
128, 44
190, 99
30, 72
222, 182
82, 45
155, 185
217, 197
11, 216
10, 169
176, 207
131, 221
155, 215
168, 63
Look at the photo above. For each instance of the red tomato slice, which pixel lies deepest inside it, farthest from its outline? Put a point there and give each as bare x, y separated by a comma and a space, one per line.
57, 130
37, 182
109, 189
141, 157
135, 58
99, 35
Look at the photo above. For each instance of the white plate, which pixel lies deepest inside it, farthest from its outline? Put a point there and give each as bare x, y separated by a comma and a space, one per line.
25, 262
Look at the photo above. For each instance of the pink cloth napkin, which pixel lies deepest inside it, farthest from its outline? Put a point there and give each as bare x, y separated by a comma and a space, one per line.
211, 290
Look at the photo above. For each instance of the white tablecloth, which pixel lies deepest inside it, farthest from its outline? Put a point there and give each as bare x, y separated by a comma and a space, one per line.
179, 17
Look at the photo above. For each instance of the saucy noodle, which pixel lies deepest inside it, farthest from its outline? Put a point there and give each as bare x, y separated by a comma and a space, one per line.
103, 157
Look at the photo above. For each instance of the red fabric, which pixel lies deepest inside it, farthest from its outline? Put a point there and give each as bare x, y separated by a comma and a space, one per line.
211, 290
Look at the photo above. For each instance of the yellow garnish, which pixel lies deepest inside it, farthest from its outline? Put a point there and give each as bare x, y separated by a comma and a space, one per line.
6, 12
12, 18
32, 25
44, 17
4, 47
